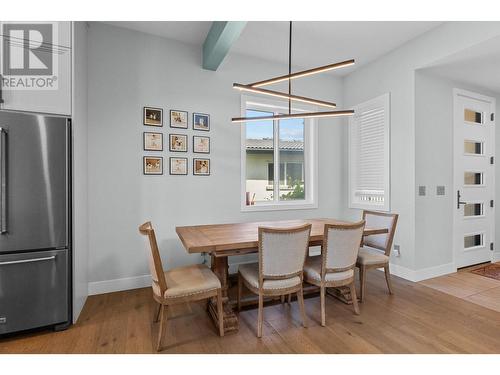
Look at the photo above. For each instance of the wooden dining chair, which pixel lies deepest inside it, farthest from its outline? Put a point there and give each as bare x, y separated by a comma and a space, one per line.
179, 285
335, 267
376, 249
279, 272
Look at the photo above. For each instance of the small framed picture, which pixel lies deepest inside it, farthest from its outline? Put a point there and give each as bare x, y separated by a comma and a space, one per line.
201, 145
201, 121
201, 167
153, 116
178, 119
153, 141
153, 165
178, 143
178, 166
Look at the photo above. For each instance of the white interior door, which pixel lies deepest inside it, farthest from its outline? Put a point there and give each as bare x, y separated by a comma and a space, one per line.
474, 178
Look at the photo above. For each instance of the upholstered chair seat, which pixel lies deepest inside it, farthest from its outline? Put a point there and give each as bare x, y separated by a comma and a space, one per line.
312, 271
178, 285
189, 281
282, 252
250, 272
376, 249
369, 255
335, 266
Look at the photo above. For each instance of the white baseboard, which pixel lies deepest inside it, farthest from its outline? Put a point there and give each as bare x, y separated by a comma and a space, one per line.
116, 285
422, 274
403, 272
429, 273
495, 257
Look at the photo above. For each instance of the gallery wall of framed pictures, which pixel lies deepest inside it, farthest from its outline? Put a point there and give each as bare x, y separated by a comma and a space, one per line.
178, 142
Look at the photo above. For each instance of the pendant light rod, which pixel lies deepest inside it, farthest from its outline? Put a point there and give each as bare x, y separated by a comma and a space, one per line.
304, 73
295, 98
295, 115
290, 71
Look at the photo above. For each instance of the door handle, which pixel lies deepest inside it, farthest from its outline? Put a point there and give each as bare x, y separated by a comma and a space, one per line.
459, 202
27, 260
3, 180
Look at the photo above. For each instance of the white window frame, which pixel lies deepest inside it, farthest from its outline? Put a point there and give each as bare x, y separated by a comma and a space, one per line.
310, 157
285, 167
354, 202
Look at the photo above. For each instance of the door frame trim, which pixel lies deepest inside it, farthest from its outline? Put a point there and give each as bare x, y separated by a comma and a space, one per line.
492, 101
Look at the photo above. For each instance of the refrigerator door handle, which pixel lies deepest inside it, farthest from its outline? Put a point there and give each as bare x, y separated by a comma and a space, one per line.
3, 180
27, 260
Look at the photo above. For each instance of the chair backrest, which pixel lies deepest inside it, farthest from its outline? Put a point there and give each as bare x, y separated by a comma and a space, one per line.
341, 246
155, 266
376, 219
282, 251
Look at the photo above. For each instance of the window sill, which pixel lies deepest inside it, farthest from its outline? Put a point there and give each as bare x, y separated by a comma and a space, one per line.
370, 206
280, 207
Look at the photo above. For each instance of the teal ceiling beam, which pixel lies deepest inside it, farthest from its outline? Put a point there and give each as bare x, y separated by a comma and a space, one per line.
218, 42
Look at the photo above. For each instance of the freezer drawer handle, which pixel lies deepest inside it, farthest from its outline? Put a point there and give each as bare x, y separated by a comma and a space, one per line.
3, 180
27, 260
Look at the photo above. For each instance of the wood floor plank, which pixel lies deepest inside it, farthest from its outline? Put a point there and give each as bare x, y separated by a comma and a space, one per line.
416, 319
489, 298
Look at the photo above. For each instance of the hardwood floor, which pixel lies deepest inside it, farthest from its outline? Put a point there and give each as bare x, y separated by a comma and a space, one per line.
417, 319
471, 287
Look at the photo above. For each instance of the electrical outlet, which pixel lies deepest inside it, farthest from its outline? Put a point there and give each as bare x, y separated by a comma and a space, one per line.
397, 251
439, 190
421, 191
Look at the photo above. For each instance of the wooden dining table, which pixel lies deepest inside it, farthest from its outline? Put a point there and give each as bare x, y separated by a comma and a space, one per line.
224, 240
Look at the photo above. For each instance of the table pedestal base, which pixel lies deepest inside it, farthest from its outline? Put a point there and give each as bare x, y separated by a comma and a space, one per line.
342, 293
231, 324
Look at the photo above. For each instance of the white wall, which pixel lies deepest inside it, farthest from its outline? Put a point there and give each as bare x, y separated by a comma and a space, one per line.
395, 73
80, 157
434, 166
128, 70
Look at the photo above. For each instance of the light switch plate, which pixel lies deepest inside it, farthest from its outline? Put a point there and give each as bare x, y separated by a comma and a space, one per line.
421, 190
439, 190
397, 251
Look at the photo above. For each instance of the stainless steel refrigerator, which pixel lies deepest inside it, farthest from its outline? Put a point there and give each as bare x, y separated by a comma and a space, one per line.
35, 221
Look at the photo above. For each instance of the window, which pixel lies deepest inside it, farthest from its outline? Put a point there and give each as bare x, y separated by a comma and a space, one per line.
278, 158
474, 240
369, 177
473, 117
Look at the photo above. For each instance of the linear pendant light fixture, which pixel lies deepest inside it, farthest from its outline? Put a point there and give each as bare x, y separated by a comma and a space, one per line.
278, 94
295, 115
255, 87
304, 73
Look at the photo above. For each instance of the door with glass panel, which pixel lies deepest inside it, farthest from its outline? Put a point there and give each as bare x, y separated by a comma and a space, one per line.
474, 178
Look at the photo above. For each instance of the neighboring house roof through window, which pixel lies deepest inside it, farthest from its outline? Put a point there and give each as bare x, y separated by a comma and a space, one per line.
267, 144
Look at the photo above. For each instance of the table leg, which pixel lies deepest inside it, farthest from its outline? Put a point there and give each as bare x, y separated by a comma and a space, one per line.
221, 268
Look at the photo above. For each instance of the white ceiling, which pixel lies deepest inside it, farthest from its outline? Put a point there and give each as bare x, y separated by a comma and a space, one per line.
314, 43
321, 43
191, 32
477, 66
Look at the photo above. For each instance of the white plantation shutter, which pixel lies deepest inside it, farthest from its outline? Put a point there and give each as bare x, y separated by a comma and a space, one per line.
369, 155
